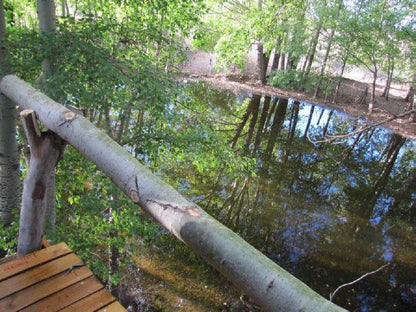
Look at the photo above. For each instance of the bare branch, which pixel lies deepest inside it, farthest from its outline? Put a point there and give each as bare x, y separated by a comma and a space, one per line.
331, 295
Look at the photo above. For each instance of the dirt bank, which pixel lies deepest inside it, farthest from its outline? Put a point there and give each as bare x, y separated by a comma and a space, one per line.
200, 66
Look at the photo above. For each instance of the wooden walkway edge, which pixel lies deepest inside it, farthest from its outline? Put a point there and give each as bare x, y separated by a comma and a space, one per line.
52, 279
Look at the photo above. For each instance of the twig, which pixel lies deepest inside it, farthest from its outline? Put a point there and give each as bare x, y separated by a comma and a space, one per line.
331, 295
332, 138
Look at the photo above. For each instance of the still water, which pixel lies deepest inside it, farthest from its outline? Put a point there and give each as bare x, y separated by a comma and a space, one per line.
328, 210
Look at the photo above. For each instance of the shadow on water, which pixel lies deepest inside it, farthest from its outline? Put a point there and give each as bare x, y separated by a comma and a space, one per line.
327, 212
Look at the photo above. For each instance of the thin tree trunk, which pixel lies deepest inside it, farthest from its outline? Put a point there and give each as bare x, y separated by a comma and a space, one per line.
282, 61
262, 63
47, 25
312, 51
409, 94
390, 71
9, 157
276, 56
344, 63
125, 119
261, 279
324, 62
373, 90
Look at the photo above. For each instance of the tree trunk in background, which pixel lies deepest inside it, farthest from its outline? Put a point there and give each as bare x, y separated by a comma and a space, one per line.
47, 24
261, 279
276, 56
324, 62
282, 61
373, 91
262, 58
312, 51
262, 63
411, 88
344, 63
64, 8
9, 157
390, 71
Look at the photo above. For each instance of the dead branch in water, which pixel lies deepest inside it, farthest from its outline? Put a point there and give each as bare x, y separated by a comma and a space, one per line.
331, 295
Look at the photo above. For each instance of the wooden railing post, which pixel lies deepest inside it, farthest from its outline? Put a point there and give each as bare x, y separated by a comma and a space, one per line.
46, 149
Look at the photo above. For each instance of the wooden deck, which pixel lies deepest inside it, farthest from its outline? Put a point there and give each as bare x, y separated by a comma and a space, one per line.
52, 279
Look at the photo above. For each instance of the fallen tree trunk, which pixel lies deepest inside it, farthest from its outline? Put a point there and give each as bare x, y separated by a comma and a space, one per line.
264, 281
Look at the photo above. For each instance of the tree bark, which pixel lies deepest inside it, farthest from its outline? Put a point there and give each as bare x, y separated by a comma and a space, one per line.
373, 89
276, 56
324, 62
261, 279
262, 63
9, 157
344, 63
47, 25
45, 151
311, 54
390, 70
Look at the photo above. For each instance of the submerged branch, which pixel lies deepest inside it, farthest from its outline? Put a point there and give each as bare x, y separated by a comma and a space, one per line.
331, 295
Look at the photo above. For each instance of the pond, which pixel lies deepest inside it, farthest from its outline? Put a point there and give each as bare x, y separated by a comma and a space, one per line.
328, 210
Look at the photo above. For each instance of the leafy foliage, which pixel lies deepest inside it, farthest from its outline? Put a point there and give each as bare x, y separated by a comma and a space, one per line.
294, 80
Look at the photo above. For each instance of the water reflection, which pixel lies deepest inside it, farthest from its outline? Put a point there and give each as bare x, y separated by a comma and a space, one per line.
328, 213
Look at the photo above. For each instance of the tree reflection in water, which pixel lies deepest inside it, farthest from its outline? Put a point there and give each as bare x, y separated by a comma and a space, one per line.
328, 213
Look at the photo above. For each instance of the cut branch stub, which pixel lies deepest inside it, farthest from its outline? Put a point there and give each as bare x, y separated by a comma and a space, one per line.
31, 128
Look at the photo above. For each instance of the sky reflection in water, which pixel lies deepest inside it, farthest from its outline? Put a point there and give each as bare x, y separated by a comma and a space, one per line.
326, 212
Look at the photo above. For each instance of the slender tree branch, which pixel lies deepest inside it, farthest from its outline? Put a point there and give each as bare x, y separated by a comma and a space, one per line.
331, 295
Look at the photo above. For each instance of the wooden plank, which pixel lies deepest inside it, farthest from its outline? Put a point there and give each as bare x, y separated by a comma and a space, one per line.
91, 303
113, 307
36, 292
33, 259
37, 274
66, 296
